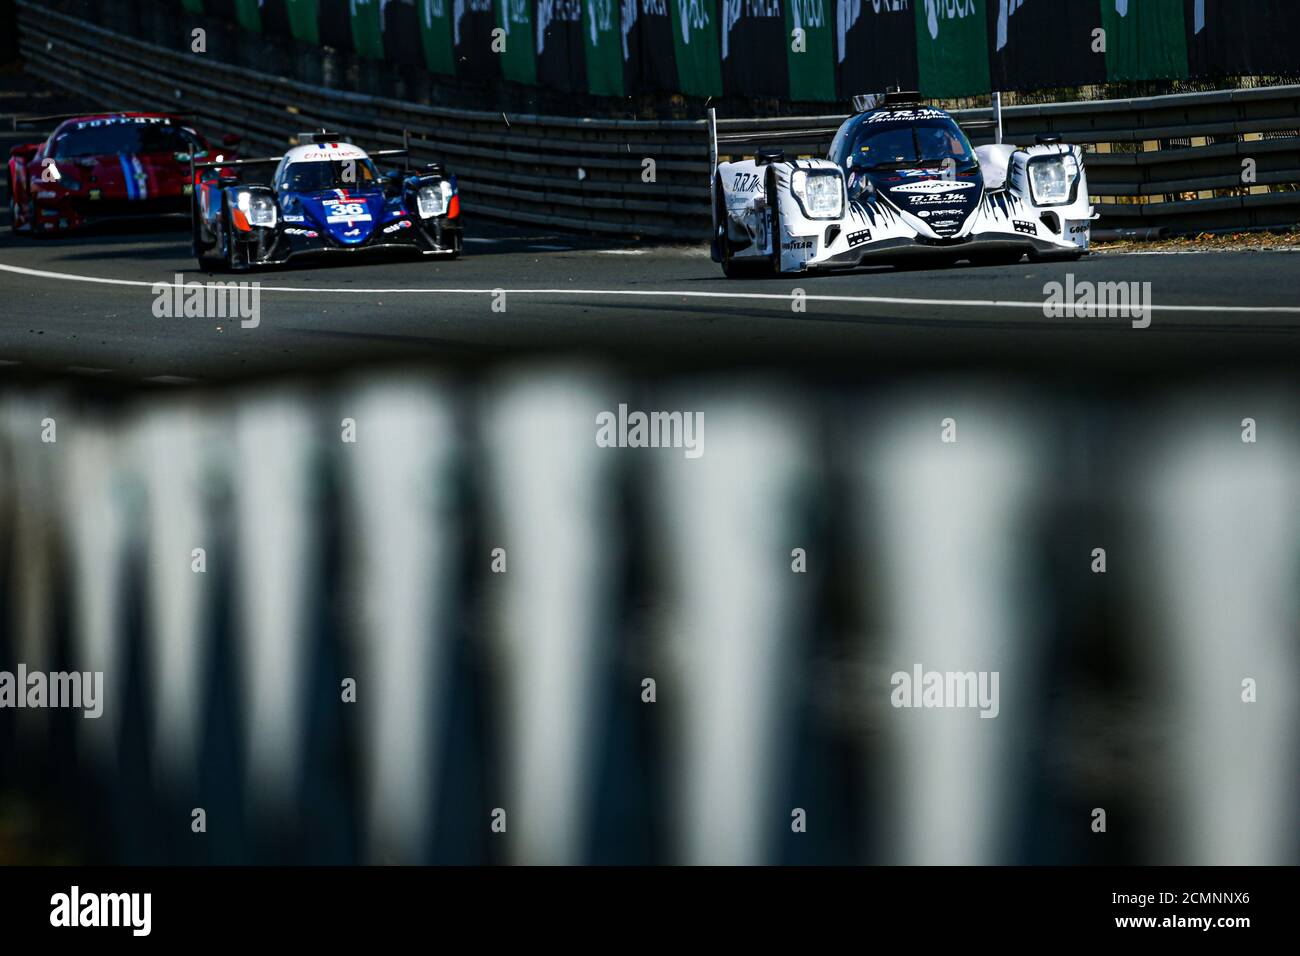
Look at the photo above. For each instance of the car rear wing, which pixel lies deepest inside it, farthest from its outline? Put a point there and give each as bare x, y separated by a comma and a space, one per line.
60, 117
272, 160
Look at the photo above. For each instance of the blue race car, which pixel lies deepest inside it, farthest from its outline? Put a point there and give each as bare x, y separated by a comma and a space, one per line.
325, 197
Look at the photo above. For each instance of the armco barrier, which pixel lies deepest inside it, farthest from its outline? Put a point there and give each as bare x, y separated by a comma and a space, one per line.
1173, 161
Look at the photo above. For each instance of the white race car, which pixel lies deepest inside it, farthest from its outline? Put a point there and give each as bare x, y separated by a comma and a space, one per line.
901, 183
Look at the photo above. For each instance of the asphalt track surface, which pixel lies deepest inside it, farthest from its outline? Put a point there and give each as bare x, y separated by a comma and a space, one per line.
83, 306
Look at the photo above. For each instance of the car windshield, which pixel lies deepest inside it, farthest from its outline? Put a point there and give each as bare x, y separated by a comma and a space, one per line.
328, 174
897, 145
123, 136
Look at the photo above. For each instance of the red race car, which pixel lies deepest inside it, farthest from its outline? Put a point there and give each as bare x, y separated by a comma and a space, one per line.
105, 167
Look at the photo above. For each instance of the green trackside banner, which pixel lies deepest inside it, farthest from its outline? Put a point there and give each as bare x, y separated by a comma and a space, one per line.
952, 52
518, 61
695, 40
303, 20
603, 40
811, 53
368, 29
249, 15
435, 36
1145, 39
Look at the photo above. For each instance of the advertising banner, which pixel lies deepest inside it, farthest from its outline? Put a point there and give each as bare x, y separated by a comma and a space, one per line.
875, 46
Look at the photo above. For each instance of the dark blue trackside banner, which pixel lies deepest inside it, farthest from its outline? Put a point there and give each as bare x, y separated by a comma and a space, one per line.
1034, 43
875, 46
401, 27
472, 23
753, 37
649, 55
1242, 37
561, 57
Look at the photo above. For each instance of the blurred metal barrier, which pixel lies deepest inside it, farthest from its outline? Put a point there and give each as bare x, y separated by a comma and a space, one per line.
569, 653
1173, 161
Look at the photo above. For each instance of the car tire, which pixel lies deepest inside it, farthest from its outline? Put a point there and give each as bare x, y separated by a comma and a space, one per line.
214, 259
208, 261
775, 219
31, 222
230, 258
996, 258
13, 201
1055, 256
732, 267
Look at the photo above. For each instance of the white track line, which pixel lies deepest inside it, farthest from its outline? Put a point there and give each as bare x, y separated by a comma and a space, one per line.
650, 293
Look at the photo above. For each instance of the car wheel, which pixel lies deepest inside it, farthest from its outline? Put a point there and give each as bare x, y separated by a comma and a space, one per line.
31, 222
230, 254
213, 258
734, 268
1055, 256
209, 255
996, 258
775, 219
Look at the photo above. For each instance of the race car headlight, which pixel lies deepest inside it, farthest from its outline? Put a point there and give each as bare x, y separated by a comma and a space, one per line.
1051, 180
820, 193
433, 199
258, 208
